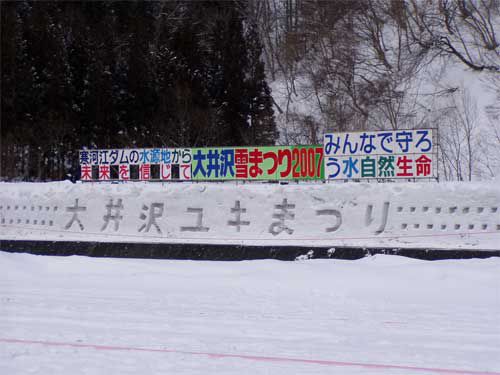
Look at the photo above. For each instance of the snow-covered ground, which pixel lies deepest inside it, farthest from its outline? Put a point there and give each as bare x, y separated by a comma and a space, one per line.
377, 315
423, 215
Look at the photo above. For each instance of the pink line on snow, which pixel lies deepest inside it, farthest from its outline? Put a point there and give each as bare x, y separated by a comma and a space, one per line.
252, 357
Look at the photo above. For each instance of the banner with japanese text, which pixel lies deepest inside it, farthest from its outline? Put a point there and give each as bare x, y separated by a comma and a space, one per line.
204, 164
154, 164
381, 154
258, 163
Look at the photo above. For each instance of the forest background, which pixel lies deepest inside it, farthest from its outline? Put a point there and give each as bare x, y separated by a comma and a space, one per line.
113, 74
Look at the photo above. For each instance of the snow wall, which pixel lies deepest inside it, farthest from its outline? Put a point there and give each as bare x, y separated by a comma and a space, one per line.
463, 216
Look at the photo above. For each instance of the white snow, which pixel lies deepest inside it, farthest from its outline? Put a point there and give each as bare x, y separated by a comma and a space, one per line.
90, 316
426, 214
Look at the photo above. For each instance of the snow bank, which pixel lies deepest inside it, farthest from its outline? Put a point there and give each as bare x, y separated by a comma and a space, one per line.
447, 215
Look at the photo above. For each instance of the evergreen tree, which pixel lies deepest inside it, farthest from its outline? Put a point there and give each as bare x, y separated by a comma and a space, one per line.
228, 62
126, 74
262, 127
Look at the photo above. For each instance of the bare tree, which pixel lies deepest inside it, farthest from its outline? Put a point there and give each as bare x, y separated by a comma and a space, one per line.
463, 29
460, 136
467, 116
370, 64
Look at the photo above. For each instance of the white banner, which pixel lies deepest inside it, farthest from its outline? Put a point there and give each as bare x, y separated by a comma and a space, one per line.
380, 155
136, 164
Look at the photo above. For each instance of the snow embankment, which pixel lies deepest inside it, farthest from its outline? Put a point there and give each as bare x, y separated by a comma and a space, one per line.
446, 215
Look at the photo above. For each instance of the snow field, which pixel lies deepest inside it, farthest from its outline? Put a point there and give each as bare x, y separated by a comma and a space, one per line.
380, 311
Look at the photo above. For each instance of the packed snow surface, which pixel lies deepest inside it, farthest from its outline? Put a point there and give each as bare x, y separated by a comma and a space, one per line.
422, 215
376, 315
